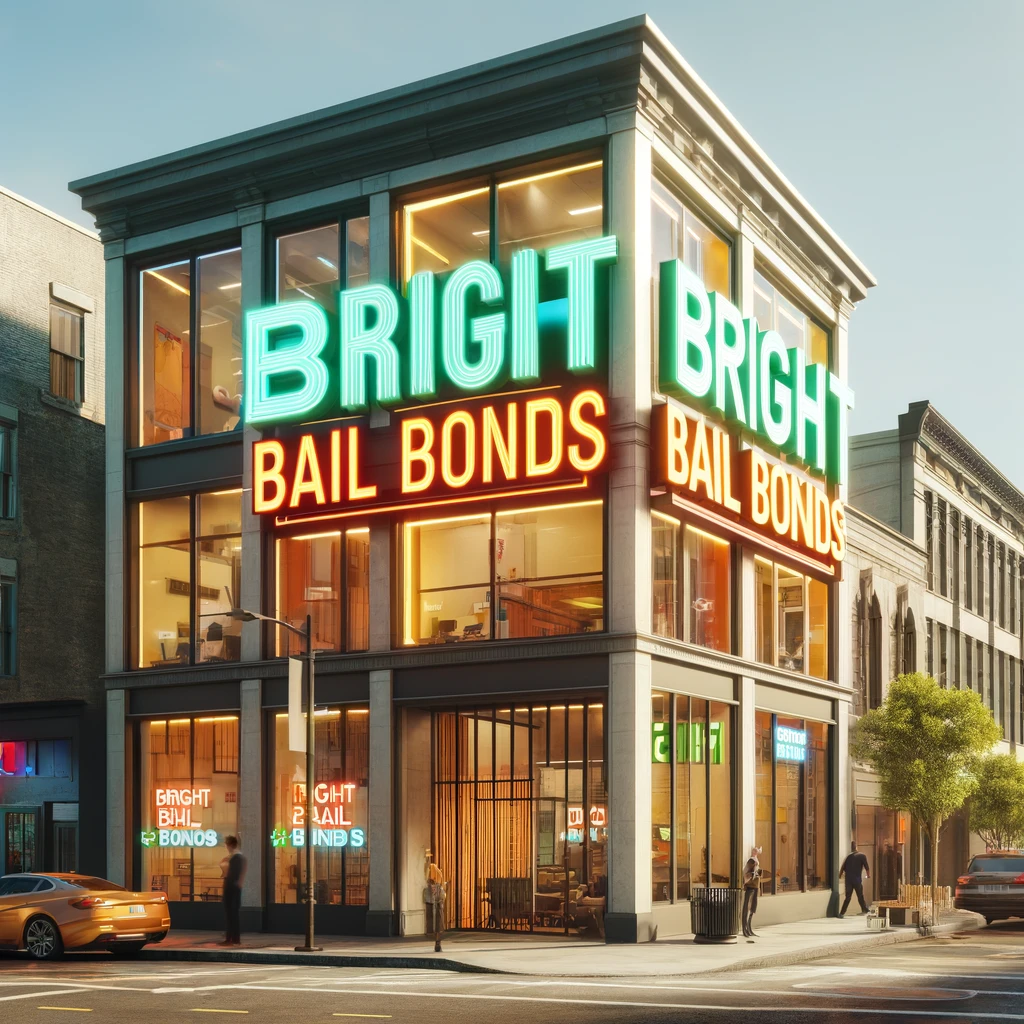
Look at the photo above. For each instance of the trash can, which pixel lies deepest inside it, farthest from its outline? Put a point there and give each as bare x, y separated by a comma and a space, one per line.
715, 914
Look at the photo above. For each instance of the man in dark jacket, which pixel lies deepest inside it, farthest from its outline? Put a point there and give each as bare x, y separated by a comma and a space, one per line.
234, 875
854, 865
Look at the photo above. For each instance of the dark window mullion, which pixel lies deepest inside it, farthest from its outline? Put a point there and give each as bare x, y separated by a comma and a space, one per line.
194, 585
195, 318
673, 872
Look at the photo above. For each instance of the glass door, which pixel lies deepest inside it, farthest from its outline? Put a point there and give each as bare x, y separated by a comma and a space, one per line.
18, 831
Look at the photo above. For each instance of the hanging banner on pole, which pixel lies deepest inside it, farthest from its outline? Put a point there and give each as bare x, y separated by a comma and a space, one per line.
296, 723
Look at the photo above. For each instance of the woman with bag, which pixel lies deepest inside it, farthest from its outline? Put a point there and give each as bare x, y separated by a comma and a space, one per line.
751, 890
434, 896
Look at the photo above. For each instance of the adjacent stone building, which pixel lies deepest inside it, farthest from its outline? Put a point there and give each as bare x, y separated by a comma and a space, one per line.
52, 750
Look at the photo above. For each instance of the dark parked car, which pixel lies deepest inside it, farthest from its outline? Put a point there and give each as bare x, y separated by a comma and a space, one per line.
993, 886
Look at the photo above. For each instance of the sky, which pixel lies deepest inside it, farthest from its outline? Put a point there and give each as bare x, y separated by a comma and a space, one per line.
899, 121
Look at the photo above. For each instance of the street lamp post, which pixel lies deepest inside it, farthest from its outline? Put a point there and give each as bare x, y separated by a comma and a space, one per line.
243, 615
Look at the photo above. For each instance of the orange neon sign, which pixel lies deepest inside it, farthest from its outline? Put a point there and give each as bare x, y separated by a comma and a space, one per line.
519, 444
699, 463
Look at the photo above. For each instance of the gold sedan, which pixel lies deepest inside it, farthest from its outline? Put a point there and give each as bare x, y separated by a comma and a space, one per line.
44, 914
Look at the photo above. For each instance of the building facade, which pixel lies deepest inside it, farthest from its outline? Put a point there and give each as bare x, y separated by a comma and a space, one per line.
52, 699
929, 483
525, 387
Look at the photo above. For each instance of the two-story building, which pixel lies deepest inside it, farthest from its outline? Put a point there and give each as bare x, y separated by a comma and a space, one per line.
52, 698
525, 387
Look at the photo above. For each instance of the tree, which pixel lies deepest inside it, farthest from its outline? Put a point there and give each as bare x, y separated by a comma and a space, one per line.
925, 744
997, 807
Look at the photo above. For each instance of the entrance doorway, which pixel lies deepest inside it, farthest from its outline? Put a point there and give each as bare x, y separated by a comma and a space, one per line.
520, 817
18, 840
881, 835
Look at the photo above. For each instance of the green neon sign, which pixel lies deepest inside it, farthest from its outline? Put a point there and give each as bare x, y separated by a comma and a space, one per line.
689, 743
467, 332
710, 354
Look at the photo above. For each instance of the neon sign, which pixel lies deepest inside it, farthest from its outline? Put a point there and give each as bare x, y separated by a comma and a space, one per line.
177, 823
331, 802
790, 744
710, 354
574, 824
701, 463
458, 332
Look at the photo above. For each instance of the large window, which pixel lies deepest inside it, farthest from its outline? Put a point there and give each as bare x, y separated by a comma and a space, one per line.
775, 311
189, 804
691, 795
310, 262
189, 578
544, 567
790, 619
190, 347
327, 577
532, 208
792, 802
679, 233
8, 477
7, 621
67, 354
692, 575
340, 810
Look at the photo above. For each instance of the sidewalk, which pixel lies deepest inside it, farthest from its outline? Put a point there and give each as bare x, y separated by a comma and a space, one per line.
556, 956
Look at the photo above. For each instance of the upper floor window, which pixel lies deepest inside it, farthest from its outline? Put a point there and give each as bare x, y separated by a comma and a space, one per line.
67, 354
327, 577
190, 347
776, 311
7, 620
189, 578
679, 233
533, 208
515, 573
790, 619
692, 575
8, 493
315, 263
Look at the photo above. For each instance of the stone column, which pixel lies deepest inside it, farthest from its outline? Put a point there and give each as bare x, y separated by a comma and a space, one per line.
251, 829
380, 920
118, 868
414, 802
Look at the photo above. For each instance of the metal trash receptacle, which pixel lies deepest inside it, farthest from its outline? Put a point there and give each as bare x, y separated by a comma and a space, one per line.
715, 914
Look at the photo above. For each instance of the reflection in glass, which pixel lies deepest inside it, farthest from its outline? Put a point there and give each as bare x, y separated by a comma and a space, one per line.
764, 815
220, 341
817, 618
165, 353
661, 797
545, 208
219, 545
441, 233
764, 617
307, 266
720, 788
708, 566
682, 823
165, 574
816, 822
357, 589
776, 312
790, 619
678, 233
789, 798
357, 252
309, 583
665, 575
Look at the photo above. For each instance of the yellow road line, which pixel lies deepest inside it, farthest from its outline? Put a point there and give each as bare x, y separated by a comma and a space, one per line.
203, 1009
379, 1016
72, 1009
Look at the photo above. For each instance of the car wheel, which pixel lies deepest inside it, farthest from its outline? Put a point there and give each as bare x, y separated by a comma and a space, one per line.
124, 950
42, 939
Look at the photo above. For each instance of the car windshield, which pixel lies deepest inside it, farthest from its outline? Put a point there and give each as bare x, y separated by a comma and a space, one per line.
981, 864
89, 882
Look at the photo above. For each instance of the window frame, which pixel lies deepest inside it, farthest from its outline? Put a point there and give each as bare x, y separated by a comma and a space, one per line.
9, 475
191, 254
762, 268
8, 627
63, 309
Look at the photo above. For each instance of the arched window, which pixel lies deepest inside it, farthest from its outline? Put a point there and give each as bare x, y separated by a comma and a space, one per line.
909, 644
860, 688
874, 654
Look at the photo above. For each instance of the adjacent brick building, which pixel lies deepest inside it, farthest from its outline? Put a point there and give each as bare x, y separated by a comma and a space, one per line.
52, 750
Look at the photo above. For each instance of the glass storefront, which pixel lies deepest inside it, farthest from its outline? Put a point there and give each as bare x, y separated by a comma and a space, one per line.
792, 786
520, 818
691, 795
188, 791
790, 619
340, 811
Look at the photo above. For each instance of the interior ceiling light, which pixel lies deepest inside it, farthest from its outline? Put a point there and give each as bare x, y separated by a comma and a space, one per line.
167, 281
585, 209
480, 234
231, 287
550, 174
327, 263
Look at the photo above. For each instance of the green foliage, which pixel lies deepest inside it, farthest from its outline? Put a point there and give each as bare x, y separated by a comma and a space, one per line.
997, 807
925, 744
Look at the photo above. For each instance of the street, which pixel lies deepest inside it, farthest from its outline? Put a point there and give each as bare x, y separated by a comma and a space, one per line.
975, 978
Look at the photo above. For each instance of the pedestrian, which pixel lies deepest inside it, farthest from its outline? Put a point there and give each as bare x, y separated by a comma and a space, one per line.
234, 865
434, 896
851, 870
751, 890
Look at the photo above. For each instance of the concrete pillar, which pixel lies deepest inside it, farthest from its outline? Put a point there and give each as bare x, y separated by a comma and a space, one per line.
745, 753
114, 331
629, 917
414, 803
251, 596
380, 920
117, 794
250, 800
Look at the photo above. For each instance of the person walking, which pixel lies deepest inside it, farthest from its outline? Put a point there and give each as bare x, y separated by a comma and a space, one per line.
234, 865
434, 896
751, 890
854, 864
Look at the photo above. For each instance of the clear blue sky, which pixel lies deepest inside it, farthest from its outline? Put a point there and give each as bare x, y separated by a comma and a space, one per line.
899, 121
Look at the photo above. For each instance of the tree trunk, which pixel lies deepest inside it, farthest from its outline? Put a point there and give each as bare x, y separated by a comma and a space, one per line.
935, 825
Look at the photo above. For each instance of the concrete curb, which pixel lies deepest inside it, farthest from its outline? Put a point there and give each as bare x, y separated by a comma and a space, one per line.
890, 937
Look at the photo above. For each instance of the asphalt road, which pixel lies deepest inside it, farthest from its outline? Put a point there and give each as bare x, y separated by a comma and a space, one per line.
977, 978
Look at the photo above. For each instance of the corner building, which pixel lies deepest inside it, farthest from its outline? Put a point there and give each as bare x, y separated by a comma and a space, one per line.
440, 370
